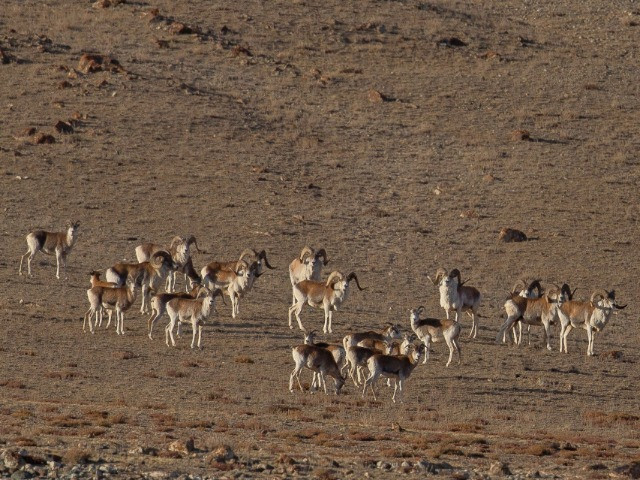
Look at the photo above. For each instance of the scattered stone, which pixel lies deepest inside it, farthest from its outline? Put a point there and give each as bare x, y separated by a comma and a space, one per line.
613, 354
21, 475
5, 57
43, 138
64, 84
631, 470
107, 3
63, 127
91, 62
178, 28
11, 459
499, 468
240, 50
161, 43
182, 446
519, 135
426, 466
451, 42
377, 97
157, 475
286, 459
382, 465
490, 54
222, 454
512, 235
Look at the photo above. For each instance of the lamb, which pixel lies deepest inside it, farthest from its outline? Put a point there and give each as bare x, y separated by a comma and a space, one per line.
307, 266
119, 299
397, 367
59, 244
186, 310
336, 350
433, 328
318, 360
329, 296
456, 296
592, 316
159, 305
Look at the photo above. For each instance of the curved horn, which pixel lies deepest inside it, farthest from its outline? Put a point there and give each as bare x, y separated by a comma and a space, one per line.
420, 309
95, 272
159, 257
440, 273
322, 253
176, 240
333, 278
248, 251
192, 240
519, 286
566, 290
353, 276
536, 284
240, 264
306, 252
263, 256
596, 294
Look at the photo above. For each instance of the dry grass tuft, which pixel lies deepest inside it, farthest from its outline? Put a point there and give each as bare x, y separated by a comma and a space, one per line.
124, 355
13, 384
609, 419
76, 455
243, 359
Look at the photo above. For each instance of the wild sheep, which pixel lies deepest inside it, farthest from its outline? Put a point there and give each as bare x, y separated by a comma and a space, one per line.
329, 296
119, 299
179, 249
336, 350
148, 275
318, 360
397, 367
51, 243
159, 305
388, 333
534, 311
307, 266
194, 311
432, 328
454, 296
592, 316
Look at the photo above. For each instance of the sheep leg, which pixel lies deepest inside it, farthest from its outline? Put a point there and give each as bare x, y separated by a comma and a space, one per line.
564, 337
427, 344
31, 255
509, 322
398, 386
590, 335
58, 261
168, 331
450, 344
297, 308
370, 381
547, 334
327, 319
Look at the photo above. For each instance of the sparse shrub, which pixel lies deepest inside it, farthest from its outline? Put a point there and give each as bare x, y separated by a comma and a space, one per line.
76, 455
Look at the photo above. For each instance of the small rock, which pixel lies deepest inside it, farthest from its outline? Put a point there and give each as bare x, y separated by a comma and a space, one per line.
512, 235
177, 28
11, 459
26, 132
377, 97
63, 127
222, 454
518, 135
21, 475
43, 138
499, 468
451, 42
157, 475
181, 446
383, 465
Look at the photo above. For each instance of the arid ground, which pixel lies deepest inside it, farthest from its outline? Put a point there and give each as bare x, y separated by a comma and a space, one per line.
401, 136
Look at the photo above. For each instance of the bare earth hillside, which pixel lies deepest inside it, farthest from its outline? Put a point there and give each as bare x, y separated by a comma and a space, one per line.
401, 136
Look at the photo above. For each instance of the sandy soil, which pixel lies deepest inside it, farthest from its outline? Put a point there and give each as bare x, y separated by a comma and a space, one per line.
361, 128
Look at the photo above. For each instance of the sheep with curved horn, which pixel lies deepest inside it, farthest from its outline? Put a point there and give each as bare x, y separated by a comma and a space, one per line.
148, 275
307, 266
534, 311
454, 296
591, 316
329, 296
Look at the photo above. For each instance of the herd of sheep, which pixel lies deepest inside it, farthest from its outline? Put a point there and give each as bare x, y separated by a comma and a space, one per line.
384, 353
